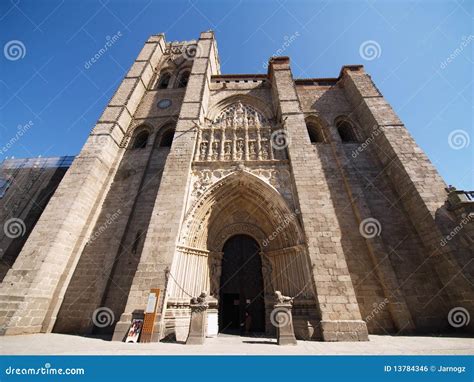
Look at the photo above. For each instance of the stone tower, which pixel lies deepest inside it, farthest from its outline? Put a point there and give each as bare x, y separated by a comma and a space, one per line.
314, 182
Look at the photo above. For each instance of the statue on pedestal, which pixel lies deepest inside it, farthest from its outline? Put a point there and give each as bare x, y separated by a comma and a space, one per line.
198, 323
281, 317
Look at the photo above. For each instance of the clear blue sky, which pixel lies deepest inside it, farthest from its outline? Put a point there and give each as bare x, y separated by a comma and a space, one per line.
47, 83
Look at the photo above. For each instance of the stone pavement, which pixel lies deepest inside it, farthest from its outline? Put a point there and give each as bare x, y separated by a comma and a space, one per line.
234, 345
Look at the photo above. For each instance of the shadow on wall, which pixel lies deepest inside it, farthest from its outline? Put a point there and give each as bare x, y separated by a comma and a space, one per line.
103, 276
404, 250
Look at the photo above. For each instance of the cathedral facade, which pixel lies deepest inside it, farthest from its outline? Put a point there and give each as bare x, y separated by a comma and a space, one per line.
240, 186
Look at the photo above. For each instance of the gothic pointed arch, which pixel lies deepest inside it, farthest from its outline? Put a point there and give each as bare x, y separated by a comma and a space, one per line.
241, 204
244, 198
254, 103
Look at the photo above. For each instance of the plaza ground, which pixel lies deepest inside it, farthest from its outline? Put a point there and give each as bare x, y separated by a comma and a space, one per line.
38, 344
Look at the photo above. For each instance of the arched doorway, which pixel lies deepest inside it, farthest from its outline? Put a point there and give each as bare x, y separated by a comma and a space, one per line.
240, 203
241, 292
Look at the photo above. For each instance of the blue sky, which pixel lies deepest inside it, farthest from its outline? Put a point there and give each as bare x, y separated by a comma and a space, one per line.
45, 79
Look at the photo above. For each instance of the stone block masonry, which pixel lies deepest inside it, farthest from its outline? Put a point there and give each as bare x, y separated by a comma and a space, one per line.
183, 159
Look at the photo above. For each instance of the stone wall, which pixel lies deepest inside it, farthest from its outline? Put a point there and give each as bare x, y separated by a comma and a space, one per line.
32, 291
168, 210
105, 270
122, 217
364, 187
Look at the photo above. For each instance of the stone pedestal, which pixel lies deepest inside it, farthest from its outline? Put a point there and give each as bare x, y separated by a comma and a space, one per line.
283, 321
198, 323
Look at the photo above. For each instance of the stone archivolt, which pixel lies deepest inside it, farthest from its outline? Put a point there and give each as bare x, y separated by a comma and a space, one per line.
276, 176
240, 203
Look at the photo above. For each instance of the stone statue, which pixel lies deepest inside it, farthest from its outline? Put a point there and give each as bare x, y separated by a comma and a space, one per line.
240, 149
282, 318
227, 148
200, 300
281, 299
215, 150
267, 272
203, 150
215, 276
239, 114
264, 150
198, 322
252, 147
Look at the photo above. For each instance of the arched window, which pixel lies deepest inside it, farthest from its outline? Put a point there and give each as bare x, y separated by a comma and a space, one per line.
183, 79
315, 132
346, 131
164, 81
141, 140
167, 138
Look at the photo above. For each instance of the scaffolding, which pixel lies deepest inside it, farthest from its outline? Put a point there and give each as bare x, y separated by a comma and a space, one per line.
51, 162
10, 170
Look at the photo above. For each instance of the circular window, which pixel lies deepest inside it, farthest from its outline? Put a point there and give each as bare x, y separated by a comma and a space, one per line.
164, 103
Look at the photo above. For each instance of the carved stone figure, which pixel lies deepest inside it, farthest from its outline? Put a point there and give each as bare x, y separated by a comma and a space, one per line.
281, 299
267, 269
198, 322
240, 149
227, 150
215, 150
200, 300
215, 270
203, 150
252, 150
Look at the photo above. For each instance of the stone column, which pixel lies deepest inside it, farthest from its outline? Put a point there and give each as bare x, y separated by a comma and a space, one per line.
222, 147
415, 179
165, 223
340, 315
211, 142
33, 288
259, 144
197, 152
